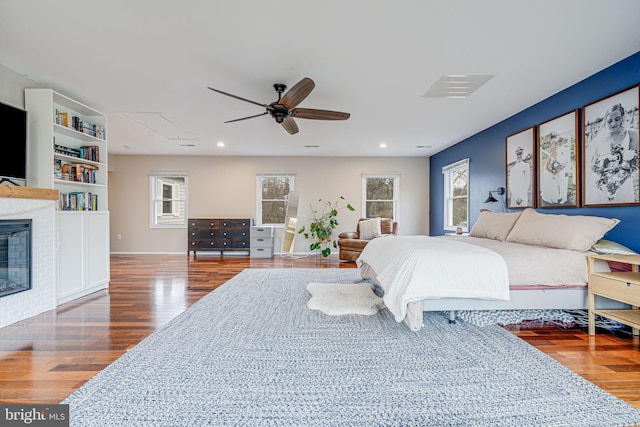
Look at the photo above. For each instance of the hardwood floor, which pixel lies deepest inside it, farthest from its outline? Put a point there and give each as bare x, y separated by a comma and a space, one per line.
45, 358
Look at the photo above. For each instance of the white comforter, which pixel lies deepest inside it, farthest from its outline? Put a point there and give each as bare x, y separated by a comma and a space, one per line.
412, 268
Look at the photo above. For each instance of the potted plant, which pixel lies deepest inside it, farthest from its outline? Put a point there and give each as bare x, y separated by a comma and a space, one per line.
322, 225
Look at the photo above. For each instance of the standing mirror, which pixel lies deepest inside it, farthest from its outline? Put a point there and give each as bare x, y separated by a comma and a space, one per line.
290, 223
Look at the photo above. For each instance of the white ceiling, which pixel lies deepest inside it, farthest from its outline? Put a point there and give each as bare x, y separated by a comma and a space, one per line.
374, 59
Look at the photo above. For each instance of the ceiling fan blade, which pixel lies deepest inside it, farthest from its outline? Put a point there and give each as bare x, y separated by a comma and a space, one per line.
241, 99
245, 118
297, 93
310, 113
290, 125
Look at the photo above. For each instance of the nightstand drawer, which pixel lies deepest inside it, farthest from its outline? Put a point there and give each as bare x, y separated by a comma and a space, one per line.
619, 286
261, 252
258, 231
262, 242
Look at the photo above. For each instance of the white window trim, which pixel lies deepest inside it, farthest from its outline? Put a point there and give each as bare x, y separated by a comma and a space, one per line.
396, 191
292, 181
446, 171
152, 198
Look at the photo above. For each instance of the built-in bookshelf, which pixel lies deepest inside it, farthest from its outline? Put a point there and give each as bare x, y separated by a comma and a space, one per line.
67, 151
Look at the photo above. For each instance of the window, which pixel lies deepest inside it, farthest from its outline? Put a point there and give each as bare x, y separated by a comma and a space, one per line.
168, 200
380, 195
456, 195
272, 198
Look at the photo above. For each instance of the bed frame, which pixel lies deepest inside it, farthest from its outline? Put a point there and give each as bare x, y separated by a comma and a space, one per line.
573, 298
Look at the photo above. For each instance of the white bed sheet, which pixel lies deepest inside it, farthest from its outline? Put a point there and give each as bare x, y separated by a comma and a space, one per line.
413, 268
531, 265
385, 261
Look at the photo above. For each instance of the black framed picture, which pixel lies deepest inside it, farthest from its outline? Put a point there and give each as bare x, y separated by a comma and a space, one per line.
610, 150
520, 167
557, 178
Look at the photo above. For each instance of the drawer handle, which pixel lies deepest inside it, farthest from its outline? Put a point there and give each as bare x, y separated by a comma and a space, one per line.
224, 234
193, 234
211, 233
628, 284
212, 224
193, 243
260, 240
244, 234
224, 223
225, 243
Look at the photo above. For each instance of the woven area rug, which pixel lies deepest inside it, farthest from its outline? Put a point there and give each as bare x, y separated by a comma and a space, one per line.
252, 354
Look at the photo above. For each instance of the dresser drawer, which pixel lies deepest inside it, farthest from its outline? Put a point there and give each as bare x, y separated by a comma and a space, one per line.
228, 233
203, 245
203, 223
236, 243
258, 231
235, 223
196, 234
261, 252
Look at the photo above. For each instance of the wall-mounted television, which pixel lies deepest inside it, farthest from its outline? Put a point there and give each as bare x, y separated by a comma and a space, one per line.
13, 143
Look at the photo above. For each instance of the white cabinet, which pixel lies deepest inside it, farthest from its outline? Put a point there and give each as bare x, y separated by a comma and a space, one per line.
83, 254
67, 151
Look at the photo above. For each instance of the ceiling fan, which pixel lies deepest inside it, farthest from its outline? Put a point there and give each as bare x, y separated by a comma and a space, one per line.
284, 109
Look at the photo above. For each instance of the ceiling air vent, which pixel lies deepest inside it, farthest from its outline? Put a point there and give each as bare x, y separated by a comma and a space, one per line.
456, 85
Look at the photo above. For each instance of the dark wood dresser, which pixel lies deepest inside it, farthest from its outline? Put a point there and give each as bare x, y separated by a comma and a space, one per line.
218, 234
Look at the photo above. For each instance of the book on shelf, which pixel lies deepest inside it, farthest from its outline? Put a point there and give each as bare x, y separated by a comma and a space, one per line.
78, 201
67, 151
57, 169
78, 172
74, 122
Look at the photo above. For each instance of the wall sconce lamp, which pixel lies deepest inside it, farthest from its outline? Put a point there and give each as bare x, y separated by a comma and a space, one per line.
500, 191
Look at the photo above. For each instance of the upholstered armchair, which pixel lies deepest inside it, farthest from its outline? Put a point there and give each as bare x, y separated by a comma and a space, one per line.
353, 242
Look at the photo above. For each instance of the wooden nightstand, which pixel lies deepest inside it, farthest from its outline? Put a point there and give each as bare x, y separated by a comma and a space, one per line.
623, 286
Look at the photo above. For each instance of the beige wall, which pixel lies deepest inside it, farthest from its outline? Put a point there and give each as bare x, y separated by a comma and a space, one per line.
226, 187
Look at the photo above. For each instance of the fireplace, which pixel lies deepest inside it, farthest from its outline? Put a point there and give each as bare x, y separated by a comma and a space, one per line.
15, 256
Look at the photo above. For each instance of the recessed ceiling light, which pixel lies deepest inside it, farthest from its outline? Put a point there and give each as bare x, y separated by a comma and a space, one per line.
456, 85
383, 145
220, 144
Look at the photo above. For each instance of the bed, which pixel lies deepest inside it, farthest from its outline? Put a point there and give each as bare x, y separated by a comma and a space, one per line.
521, 260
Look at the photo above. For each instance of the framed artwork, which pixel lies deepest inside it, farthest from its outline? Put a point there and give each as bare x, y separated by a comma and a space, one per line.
520, 169
610, 150
557, 178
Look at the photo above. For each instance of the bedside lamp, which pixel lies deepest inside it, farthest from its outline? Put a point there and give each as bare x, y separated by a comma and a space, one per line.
490, 199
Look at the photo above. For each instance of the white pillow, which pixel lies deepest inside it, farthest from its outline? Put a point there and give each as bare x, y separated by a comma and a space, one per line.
607, 247
575, 232
494, 225
369, 228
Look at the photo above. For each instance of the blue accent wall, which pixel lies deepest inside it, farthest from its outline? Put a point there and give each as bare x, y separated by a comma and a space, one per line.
486, 153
